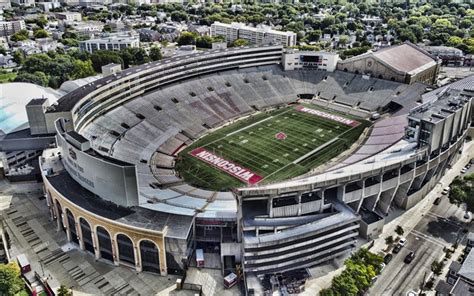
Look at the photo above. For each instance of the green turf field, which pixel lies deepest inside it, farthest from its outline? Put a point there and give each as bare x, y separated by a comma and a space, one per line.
309, 141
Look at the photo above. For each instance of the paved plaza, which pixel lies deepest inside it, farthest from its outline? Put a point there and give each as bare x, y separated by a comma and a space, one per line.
33, 234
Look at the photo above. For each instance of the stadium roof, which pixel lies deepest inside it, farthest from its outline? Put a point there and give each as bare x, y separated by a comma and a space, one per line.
13, 99
405, 57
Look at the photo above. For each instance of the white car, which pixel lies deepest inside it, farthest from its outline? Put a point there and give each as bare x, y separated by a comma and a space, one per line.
446, 190
468, 216
382, 266
463, 171
402, 241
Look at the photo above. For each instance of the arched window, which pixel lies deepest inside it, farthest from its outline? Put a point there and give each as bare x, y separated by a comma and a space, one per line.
86, 235
72, 226
125, 249
105, 243
150, 256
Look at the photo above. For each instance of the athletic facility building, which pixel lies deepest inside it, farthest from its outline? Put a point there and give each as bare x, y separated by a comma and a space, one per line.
227, 152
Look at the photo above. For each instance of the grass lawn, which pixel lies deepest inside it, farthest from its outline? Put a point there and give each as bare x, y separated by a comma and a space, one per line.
275, 145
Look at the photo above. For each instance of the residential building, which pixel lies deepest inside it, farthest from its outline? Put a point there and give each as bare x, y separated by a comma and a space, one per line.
460, 278
69, 16
254, 35
5, 4
87, 29
10, 28
24, 2
110, 42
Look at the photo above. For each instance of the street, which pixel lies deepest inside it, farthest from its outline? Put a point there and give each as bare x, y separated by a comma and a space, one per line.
440, 226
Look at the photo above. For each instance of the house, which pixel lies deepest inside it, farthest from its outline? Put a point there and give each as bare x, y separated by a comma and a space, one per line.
460, 277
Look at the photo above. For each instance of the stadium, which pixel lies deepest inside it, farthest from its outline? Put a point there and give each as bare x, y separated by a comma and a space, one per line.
268, 169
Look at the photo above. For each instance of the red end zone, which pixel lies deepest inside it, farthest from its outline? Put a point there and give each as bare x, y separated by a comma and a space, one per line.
329, 116
229, 167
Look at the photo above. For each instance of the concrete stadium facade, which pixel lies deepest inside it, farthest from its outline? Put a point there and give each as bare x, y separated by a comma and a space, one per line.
141, 118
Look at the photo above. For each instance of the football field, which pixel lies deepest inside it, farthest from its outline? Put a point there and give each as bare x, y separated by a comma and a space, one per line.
269, 146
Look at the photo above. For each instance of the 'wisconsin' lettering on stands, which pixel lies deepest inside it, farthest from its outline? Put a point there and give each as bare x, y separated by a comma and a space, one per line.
229, 167
329, 116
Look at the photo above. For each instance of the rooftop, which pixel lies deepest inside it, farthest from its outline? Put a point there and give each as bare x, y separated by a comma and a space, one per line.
263, 29
467, 268
447, 103
405, 57
37, 102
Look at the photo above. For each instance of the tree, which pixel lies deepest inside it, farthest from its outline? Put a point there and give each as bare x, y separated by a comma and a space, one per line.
454, 41
38, 78
204, 42
314, 36
389, 240
407, 35
63, 291
132, 56
343, 40
239, 42
437, 267
20, 36
187, 38
10, 280
344, 285
103, 57
82, 69
361, 273
327, 292
18, 57
41, 33
155, 53
399, 230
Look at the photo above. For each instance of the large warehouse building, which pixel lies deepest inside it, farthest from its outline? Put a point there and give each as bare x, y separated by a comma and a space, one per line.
406, 63
113, 182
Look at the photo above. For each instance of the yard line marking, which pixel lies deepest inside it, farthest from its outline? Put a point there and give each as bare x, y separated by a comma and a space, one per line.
315, 150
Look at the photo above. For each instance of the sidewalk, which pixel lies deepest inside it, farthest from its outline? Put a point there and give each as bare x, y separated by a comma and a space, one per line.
408, 220
412, 216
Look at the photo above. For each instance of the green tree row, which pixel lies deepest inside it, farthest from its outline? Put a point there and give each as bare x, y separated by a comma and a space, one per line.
360, 268
54, 68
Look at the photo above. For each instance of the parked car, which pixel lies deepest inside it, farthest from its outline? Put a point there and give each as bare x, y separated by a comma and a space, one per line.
437, 201
446, 190
396, 249
402, 241
463, 171
468, 215
382, 266
471, 161
409, 258
387, 258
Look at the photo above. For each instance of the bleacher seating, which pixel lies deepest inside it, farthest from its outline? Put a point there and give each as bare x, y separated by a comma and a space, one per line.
150, 129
